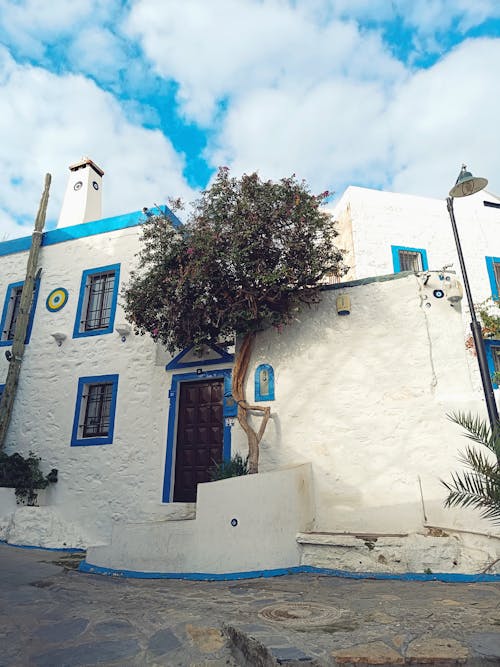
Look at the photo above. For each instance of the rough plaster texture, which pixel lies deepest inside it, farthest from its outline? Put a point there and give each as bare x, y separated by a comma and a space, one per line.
461, 553
364, 398
370, 221
97, 484
269, 509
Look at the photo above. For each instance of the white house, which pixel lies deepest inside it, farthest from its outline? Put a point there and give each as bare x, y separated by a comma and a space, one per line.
384, 232
355, 447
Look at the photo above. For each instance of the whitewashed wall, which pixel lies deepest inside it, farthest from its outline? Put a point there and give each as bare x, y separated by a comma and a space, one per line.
364, 397
96, 483
370, 221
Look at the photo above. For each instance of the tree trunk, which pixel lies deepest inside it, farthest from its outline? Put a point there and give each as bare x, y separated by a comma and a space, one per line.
239, 377
10, 388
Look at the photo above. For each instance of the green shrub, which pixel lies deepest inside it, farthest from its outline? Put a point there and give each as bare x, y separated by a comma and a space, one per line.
235, 467
24, 475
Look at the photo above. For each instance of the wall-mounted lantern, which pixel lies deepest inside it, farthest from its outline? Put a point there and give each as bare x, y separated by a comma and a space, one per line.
343, 305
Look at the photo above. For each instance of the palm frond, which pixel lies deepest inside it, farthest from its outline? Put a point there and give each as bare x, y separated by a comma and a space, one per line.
479, 487
478, 430
480, 463
469, 490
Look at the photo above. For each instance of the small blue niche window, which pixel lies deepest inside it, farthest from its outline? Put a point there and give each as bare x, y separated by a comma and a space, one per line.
264, 383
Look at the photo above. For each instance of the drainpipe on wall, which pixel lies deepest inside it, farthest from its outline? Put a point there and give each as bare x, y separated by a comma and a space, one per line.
16, 357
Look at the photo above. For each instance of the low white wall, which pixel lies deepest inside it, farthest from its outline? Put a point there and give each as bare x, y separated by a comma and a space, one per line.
270, 509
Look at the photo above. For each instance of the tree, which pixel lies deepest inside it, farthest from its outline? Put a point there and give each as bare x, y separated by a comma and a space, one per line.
479, 487
251, 254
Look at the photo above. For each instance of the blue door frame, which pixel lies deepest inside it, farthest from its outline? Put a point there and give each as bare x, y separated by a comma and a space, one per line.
229, 410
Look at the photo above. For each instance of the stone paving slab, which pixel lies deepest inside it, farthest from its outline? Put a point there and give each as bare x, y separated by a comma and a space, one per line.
54, 616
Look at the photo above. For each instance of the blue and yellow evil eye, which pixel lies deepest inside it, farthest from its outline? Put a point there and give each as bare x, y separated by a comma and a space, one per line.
57, 299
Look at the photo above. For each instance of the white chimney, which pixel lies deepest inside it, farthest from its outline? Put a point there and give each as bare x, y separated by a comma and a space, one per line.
82, 199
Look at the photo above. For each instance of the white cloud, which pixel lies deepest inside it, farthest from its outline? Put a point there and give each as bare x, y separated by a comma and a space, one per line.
32, 24
410, 135
222, 49
447, 115
97, 50
48, 121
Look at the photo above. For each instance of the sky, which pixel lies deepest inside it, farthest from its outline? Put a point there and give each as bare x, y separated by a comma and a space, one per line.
387, 94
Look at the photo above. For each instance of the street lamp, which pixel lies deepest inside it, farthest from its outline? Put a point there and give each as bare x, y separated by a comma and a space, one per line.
466, 185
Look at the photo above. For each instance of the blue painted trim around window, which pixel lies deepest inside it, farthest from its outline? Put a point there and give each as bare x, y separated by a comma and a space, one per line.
270, 395
490, 261
224, 357
395, 256
82, 383
81, 298
229, 410
488, 344
85, 229
5, 343
449, 577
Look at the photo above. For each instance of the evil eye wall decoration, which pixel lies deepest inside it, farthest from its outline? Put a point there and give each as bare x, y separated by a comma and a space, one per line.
57, 299
438, 293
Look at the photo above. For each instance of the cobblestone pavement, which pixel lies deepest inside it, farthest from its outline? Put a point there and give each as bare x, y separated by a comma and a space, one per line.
53, 616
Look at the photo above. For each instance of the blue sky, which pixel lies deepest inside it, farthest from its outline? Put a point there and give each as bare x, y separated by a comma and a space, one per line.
392, 94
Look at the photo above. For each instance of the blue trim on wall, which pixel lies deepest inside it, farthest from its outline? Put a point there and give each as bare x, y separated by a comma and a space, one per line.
395, 256
488, 344
2, 386
85, 229
258, 395
228, 410
224, 357
81, 297
297, 569
491, 275
106, 439
4, 343
34, 546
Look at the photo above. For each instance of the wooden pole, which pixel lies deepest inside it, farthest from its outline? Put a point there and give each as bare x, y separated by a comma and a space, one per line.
10, 388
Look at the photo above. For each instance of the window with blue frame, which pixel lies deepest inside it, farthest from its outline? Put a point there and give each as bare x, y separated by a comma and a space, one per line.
409, 259
493, 356
95, 410
96, 308
493, 266
10, 312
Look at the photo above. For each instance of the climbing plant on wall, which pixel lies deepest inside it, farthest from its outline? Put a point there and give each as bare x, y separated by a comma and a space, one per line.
250, 255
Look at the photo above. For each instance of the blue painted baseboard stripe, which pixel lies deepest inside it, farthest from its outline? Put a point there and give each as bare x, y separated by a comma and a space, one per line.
298, 569
33, 546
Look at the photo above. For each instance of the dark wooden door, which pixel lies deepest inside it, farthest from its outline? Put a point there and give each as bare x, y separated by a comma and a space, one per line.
199, 435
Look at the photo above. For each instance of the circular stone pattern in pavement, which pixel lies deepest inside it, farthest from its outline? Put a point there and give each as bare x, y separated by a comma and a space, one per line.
301, 614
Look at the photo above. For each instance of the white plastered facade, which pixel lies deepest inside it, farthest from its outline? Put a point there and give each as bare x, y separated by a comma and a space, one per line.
362, 398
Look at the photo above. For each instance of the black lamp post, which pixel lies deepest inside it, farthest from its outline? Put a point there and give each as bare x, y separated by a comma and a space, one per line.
467, 185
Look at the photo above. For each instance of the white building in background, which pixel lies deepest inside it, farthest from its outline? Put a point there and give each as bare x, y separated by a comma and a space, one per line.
386, 232
358, 437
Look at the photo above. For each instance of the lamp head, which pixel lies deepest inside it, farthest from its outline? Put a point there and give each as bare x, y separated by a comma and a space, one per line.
467, 184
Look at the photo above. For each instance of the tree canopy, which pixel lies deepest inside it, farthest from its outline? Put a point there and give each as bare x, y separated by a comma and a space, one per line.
250, 254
